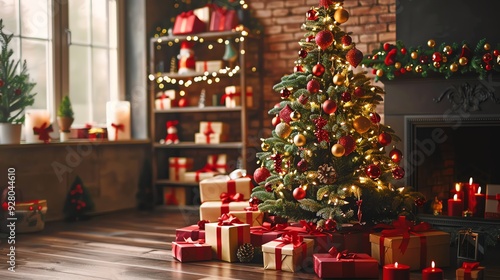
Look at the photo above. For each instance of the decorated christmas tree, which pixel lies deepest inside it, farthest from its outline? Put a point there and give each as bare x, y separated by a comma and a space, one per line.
78, 201
329, 159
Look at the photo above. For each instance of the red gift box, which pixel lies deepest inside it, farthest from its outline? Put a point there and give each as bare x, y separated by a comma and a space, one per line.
354, 238
190, 252
223, 19
345, 265
262, 234
492, 210
194, 232
188, 23
322, 240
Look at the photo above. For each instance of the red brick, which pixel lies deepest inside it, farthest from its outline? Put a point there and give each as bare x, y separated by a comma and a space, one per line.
282, 37
270, 5
262, 13
276, 29
387, 18
392, 27
369, 10
368, 19
277, 47
368, 2
280, 13
289, 19
368, 38
295, 3
385, 2
387, 37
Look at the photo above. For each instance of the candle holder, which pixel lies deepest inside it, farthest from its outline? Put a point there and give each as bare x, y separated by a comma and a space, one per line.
467, 214
118, 120
37, 126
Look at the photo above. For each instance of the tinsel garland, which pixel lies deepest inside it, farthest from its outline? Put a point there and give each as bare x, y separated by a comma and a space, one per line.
397, 60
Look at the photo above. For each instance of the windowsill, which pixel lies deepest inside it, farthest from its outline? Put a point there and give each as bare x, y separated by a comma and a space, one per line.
76, 142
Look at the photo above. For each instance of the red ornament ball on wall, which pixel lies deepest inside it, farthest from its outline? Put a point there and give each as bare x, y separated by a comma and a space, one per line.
261, 174
299, 193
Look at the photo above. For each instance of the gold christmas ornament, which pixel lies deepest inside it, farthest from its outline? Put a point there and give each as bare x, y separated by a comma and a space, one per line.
299, 140
431, 43
445, 59
418, 69
265, 147
380, 73
362, 124
414, 55
463, 61
487, 47
295, 115
339, 79
283, 130
436, 64
454, 67
341, 15
408, 68
338, 150
447, 50
397, 65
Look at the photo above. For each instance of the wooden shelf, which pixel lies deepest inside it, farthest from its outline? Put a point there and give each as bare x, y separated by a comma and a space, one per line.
193, 145
204, 35
207, 109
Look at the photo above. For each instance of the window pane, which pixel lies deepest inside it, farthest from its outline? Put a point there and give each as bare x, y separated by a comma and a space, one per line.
79, 21
9, 13
100, 80
79, 83
34, 18
35, 53
99, 23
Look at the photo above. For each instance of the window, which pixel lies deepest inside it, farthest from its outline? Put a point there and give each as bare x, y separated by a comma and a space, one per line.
71, 48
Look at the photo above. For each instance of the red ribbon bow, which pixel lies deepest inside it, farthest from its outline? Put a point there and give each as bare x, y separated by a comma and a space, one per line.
117, 128
405, 228
43, 132
341, 255
292, 237
201, 224
187, 14
226, 198
469, 266
228, 220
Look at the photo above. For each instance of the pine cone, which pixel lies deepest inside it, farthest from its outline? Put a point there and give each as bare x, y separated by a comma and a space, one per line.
245, 252
327, 174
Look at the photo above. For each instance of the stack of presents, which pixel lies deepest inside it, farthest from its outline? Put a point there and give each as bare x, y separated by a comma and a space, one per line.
230, 218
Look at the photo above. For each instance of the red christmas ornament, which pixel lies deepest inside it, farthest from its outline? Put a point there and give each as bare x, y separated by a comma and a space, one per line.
299, 193
276, 120
302, 165
313, 86
398, 173
437, 57
324, 39
424, 59
254, 201
318, 70
354, 57
330, 224
496, 52
387, 46
384, 138
373, 171
269, 187
303, 53
346, 40
329, 106
2, 83
419, 202
261, 174
346, 96
466, 52
488, 67
348, 143
396, 155
285, 93
487, 57
403, 51
298, 68
17, 91
311, 15
374, 117
359, 92
285, 113
310, 38
303, 99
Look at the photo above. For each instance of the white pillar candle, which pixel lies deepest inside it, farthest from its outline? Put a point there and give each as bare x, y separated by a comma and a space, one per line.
118, 120
35, 118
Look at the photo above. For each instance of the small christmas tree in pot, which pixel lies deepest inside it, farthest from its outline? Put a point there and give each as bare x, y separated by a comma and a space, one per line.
15, 91
65, 118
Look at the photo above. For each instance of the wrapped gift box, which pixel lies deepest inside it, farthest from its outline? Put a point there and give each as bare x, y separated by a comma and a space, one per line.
226, 239
212, 210
217, 162
355, 265
232, 96
210, 189
423, 247
210, 66
197, 176
98, 133
322, 240
190, 252
470, 271
223, 19
261, 235
212, 138
286, 256
174, 196
353, 238
177, 167
30, 215
204, 14
192, 232
188, 23
492, 208
214, 127
163, 103
253, 218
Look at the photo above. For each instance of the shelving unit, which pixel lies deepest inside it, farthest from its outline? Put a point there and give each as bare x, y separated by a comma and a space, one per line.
245, 123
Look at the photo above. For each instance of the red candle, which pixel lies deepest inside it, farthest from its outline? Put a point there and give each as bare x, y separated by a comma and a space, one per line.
470, 191
396, 272
432, 273
480, 203
455, 206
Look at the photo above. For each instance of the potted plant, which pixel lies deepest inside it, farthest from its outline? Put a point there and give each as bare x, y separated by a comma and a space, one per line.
65, 118
15, 92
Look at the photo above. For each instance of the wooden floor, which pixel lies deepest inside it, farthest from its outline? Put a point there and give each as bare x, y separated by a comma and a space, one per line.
129, 245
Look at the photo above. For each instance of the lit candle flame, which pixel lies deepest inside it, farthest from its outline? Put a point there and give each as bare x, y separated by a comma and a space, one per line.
455, 197
470, 181
479, 190
457, 187
396, 264
433, 264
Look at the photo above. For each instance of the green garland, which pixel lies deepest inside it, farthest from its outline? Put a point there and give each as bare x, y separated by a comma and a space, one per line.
391, 61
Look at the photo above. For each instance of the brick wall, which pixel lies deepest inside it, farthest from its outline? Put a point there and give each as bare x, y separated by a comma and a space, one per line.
371, 21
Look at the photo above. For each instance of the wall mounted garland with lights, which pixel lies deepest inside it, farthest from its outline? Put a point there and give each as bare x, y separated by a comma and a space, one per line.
397, 60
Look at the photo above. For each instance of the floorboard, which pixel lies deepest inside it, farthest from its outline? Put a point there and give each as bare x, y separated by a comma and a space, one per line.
130, 245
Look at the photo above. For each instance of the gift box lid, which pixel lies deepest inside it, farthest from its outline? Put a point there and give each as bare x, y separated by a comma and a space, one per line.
433, 237
288, 249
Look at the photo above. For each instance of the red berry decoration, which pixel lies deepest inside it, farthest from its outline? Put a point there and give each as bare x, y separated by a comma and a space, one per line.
374, 117
359, 92
285, 93
324, 39
354, 57
496, 52
299, 193
261, 174
303, 53
311, 15
302, 165
373, 171
346, 40
403, 50
488, 67
398, 173
2, 83
348, 143
384, 138
387, 46
318, 70
330, 224
329, 106
487, 57
346, 96
437, 57
313, 86
396, 155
